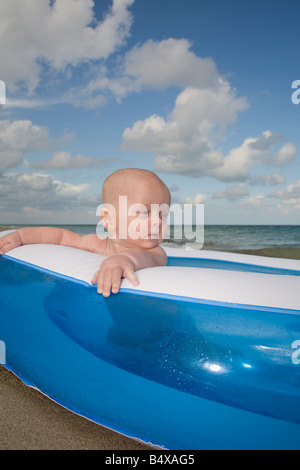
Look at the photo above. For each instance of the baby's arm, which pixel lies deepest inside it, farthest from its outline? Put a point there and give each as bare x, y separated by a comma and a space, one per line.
112, 269
108, 277
51, 235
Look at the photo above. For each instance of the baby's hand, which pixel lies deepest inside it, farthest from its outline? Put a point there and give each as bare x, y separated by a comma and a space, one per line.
108, 277
9, 241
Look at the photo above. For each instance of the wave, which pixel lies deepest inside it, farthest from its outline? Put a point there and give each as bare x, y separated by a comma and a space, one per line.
278, 252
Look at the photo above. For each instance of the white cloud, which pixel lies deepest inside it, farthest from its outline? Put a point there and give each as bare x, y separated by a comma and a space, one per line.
64, 161
156, 65
285, 155
160, 64
29, 184
290, 196
63, 33
264, 142
239, 161
32, 182
39, 196
30, 103
289, 199
19, 138
267, 180
232, 193
117, 86
69, 190
185, 142
197, 199
254, 202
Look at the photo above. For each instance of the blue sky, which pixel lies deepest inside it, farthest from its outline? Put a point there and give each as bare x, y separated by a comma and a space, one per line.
197, 91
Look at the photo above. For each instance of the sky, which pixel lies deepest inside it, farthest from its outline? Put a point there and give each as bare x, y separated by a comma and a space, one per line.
202, 92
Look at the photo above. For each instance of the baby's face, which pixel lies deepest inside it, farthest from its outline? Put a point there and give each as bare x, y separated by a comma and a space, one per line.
141, 214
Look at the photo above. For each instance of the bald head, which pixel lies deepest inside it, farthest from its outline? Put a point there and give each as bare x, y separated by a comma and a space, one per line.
124, 180
135, 204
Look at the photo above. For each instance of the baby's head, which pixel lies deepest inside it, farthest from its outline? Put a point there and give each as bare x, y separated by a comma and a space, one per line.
135, 206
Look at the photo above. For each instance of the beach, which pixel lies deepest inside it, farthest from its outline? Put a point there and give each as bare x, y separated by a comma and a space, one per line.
31, 421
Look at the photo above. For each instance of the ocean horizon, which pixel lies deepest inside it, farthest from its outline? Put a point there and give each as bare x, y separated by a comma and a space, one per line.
279, 241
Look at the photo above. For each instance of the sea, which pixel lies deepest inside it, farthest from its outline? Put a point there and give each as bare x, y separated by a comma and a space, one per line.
279, 241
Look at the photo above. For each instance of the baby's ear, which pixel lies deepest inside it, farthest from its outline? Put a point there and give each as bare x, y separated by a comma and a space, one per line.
107, 216
104, 216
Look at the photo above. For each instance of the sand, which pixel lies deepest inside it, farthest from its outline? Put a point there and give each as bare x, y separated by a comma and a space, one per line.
31, 421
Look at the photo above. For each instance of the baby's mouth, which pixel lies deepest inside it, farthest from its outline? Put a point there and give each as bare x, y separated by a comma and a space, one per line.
151, 236
154, 235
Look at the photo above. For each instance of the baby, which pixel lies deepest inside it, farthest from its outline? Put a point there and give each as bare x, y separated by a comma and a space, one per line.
134, 235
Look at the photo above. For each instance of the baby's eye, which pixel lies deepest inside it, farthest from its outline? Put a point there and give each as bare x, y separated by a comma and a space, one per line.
164, 215
143, 213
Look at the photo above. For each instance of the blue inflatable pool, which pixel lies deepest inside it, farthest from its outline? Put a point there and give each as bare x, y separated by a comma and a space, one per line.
202, 354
